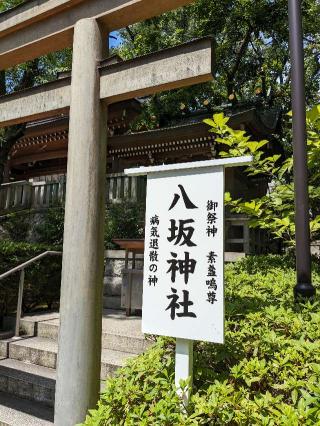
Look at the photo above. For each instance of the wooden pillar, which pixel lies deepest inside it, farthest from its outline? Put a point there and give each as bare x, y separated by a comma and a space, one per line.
246, 238
79, 358
6, 172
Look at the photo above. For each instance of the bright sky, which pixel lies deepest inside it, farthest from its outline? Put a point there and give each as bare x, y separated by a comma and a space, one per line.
113, 42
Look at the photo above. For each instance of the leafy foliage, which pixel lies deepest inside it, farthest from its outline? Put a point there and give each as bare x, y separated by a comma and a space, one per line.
42, 280
267, 373
252, 54
44, 227
16, 225
124, 220
274, 211
8, 4
23, 76
50, 230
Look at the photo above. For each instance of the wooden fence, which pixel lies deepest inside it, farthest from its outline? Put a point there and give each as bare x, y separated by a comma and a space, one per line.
18, 196
23, 195
121, 187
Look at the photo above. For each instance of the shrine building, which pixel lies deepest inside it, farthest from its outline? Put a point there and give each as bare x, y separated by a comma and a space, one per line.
39, 160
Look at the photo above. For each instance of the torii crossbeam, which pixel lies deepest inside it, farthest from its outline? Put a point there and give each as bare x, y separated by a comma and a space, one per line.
38, 27
180, 66
42, 26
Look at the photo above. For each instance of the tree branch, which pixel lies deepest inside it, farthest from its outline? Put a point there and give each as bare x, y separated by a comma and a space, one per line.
131, 34
241, 51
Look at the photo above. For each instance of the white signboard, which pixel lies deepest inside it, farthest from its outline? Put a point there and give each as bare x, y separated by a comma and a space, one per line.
183, 289
183, 293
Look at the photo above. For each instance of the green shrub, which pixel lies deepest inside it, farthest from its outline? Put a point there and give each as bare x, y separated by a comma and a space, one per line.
266, 373
274, 211
42, 279
44, 226
50, 230
17, 225
124, 220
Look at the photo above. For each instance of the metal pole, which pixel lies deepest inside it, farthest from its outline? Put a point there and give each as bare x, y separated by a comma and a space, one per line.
184, 367
19, 305
304, 287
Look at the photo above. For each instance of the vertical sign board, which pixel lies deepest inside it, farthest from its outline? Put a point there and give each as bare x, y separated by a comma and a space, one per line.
184, 255
183, 289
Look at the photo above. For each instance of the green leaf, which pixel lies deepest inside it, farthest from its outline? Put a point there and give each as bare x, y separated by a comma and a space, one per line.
209, 122
314, 114
220, 119
227, 197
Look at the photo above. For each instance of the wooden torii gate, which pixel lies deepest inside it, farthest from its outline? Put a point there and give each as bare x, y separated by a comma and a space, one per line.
39, 27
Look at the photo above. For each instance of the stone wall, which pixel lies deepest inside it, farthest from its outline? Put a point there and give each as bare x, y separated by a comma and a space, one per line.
114, 264
315, 248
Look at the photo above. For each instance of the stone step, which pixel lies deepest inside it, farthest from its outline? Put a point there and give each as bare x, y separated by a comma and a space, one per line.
43, 352
119, 332
30, 381
27, 370
4, 348
123, 343
19, 412
29, 323
110, 340
27, 381
48, 329
6, 335
34, 350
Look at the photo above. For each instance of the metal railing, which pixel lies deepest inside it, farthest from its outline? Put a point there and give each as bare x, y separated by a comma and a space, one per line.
22, 268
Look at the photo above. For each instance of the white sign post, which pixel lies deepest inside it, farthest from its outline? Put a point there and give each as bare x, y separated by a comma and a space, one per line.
183, 289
